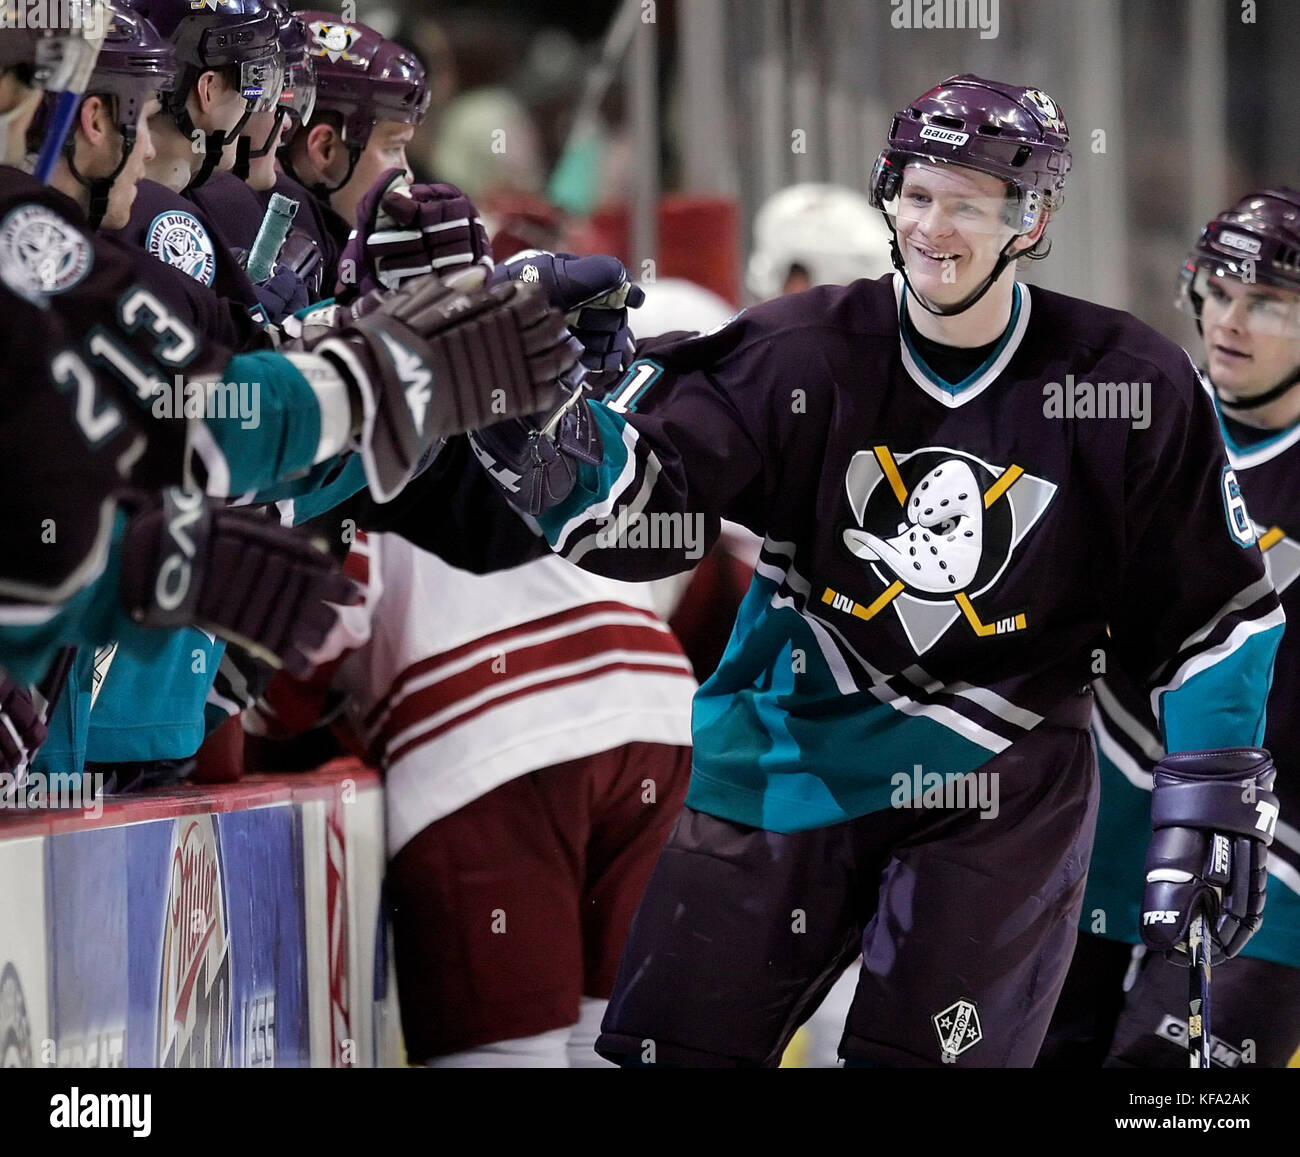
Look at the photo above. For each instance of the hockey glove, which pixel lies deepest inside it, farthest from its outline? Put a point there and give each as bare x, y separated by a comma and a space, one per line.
22, 730
301, 253
1213, 815
535, 460
280, 295
406, 231
431, 360
233, 572
595, 295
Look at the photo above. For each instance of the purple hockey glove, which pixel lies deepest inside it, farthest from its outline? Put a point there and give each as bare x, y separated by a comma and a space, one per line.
406, 231
1213, 814
232, 571
282, 294
593, 292
22, 731
535, 460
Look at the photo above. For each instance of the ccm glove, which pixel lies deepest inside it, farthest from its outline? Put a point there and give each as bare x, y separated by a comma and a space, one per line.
233, 572
406, 231
1213, 815
434, 359
595, 295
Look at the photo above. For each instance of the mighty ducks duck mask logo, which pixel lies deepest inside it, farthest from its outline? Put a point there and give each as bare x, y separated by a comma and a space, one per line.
936, 528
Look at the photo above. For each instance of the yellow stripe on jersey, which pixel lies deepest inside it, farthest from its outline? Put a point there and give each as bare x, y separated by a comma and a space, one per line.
890, 469
1005, 481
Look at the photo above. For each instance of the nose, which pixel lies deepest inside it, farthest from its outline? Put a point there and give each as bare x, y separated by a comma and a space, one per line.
1233, 318
933, 221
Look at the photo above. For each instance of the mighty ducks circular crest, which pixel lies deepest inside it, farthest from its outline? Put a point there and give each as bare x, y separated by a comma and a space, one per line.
179, 239
40, 253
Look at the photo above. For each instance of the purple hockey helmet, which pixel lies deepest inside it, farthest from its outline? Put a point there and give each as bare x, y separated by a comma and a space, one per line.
364, 77
1014, 133
1256, 241
299, 95
230, 33
134, 64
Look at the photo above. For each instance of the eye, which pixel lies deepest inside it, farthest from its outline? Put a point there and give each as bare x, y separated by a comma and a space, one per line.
1217, 292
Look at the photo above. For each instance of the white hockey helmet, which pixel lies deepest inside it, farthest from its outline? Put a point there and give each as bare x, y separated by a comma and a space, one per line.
829, 231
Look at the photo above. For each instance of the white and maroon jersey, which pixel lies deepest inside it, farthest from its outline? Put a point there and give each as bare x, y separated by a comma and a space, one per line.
468, 681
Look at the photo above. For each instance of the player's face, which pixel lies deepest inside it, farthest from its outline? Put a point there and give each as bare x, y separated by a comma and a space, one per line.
950, 229
261, 170
386, 149
225, 111
121, 197
1252, 334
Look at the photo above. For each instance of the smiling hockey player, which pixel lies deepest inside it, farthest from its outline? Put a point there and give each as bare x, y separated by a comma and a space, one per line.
942, 555
1242, 283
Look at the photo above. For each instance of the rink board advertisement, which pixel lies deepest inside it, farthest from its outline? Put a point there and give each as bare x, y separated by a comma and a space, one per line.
188, 940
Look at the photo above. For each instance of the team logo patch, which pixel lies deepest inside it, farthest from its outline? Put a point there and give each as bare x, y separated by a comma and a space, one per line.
194, 970
41, 254
179, 239
1046, 109
15, 1027
332, 40
936, 528
958, 1027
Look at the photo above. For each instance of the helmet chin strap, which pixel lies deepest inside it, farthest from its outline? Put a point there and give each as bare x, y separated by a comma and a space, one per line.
320, 190
1245, 404
245, 154
100, 187
1004, 259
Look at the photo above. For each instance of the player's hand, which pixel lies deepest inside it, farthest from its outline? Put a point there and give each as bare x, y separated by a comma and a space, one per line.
233, 571
1213, 815
535, 460
282, 294
22, 731
405, 231
434, 359
595, 294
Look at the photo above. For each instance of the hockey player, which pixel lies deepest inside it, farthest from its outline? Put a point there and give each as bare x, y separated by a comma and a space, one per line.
58, 282
370, 94
229, 67
1242, 284
943, 549
534, 730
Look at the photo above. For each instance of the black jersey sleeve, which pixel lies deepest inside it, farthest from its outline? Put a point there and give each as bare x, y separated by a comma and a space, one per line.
1196, 621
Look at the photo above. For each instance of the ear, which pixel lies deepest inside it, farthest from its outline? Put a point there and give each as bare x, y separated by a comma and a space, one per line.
209, 89
322, 144
93, 119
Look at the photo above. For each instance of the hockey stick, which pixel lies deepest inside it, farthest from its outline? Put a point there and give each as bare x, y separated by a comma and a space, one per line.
1198, 993
45, 697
